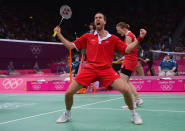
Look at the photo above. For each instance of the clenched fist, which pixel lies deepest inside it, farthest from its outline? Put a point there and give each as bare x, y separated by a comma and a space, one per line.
143, 32
57, 29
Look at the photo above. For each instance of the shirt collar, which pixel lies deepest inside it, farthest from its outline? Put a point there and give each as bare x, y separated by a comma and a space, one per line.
127, 33
104, 38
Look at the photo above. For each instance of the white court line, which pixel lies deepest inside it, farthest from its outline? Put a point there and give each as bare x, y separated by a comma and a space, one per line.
163, 97
98, 96
98, 102
30, 117
154, 110
101, 108
56, 111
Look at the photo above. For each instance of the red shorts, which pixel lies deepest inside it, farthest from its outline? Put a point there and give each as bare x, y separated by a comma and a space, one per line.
104, 76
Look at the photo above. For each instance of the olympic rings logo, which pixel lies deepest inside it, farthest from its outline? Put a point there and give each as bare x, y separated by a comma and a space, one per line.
59, 86
166, 87
139, 87
35, 49
12, 83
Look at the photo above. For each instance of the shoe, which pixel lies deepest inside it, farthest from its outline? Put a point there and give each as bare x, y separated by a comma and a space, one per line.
136, 119
126, 107
139, 102
64, 118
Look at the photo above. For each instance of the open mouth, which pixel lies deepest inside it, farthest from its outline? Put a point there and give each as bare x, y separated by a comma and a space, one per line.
98, 24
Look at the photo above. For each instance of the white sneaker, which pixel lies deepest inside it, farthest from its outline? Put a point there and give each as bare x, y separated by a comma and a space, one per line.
64, 118
136, 119
126, 107
139, 102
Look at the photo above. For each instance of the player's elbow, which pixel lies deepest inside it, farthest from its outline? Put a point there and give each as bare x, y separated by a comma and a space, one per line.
70, 46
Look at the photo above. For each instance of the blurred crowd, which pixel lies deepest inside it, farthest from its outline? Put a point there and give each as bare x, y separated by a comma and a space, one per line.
160, 25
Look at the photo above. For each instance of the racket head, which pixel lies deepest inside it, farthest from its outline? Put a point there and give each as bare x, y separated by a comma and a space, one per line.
65, 11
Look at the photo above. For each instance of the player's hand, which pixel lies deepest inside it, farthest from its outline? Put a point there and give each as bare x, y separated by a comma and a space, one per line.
145, 61
143, 32
57, 29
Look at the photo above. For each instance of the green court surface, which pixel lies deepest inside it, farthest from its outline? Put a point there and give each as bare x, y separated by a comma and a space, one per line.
91, 112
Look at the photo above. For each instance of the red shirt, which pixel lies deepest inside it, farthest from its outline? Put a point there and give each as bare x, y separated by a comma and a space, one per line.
99, 51
130, 61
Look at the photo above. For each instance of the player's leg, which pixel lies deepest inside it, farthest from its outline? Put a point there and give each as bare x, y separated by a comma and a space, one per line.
85, 77
138, 99
73, 88
108, 77
140, 69
122, 86
125, 75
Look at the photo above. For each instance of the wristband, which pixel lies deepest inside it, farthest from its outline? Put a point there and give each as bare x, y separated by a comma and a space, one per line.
139, 39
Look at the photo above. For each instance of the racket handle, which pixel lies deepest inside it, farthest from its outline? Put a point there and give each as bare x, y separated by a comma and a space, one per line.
54, 34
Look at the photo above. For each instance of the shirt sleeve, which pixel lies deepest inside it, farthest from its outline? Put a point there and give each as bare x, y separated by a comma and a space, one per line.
121, 46
81, 43
132, 36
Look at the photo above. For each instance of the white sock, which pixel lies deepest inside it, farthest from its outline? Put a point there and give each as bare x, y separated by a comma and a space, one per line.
68, 112
132, 112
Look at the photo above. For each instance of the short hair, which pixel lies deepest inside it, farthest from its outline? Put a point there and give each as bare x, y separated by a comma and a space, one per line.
170, 55
123, 25
91, 24
105, 18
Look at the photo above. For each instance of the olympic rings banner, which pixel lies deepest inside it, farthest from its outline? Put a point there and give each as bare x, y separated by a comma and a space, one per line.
159, 85
142, 85
21, 83
16, 83
47, 85
168, 85
12, 83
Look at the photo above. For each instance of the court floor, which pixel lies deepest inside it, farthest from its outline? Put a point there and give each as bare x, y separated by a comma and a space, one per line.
91, 112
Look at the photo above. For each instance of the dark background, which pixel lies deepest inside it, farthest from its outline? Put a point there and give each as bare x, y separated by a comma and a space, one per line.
45, 16
84, 10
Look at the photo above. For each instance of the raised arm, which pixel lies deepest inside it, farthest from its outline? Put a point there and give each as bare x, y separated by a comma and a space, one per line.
132, 45
67, 43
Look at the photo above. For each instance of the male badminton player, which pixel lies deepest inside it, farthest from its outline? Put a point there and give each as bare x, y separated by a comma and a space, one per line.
100, 47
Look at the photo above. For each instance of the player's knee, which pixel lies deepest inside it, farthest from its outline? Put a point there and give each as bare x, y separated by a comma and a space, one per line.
68, 93
124, 89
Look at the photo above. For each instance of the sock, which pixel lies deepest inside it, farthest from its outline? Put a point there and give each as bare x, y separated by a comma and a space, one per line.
68, 112
132, 112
